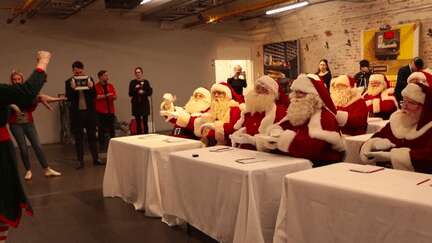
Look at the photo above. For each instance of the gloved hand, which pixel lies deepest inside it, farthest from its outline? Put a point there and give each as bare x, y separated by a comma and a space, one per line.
43, 58
90, 84
270, 142
378, 156
208, 125
382, 144
275, 131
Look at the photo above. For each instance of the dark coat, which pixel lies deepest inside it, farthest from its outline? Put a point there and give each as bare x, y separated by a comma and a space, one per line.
403, 74
140, 103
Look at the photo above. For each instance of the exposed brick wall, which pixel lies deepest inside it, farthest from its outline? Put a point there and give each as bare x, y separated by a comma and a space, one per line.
345, 20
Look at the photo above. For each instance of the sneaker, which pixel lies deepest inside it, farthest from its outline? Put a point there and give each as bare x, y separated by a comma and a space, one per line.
28, 175
51, 173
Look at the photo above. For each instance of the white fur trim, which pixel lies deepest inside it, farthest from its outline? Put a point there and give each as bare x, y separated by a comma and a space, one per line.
285, 140
222, 88
417, 77
316, 131
377, 77
401, 159
388, 94
313, 76
269, 83
342, 79
241, 137
414, 92
376, 105
268, 120
342, 118
368, 146
401, 132
368, 102
240, 121
183, 119
304, 84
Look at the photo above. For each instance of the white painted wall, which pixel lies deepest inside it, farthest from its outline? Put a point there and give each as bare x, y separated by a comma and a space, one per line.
173, 61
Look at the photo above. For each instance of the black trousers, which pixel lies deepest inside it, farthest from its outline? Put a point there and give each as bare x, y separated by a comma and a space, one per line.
141, 119
106, 129
81, 120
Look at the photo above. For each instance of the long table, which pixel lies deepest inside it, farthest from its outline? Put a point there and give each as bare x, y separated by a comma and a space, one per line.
335, 204
228, 193
135, 169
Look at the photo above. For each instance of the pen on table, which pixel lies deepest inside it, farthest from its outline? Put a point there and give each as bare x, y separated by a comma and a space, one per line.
423, 181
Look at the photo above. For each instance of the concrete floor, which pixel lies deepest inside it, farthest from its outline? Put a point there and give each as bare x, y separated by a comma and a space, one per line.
71, 208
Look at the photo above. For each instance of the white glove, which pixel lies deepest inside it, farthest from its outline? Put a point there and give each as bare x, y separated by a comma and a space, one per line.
43, 58
90, 84
378, 156
165, 113
275, 131
382, 144
270, 142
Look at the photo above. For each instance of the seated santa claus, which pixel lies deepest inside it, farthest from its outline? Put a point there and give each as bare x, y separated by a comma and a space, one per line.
420, 77
352, 112
215, 126
406, 141
379, 97
259, 114
309, 129
183, 118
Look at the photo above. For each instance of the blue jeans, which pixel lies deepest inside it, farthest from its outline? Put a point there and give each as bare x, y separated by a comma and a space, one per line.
20, 132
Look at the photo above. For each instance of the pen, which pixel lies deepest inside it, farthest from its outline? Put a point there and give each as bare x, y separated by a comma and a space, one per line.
423, 181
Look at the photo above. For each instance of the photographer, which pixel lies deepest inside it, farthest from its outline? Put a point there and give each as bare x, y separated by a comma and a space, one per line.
238, 81
362, 77
81, 94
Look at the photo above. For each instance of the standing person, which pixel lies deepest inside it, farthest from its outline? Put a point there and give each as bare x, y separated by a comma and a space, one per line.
22, 126
324, 72
12, 196
105, 110
139, 91
238, 81
362, 77
81, 94
404, 72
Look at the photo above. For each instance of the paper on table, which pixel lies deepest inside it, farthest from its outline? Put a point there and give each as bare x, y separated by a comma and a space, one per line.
367, 169
249, 160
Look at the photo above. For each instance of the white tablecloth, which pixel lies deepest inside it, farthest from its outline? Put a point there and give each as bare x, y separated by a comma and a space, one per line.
375, 126
333, 204
229, 201
353, 145
134, 170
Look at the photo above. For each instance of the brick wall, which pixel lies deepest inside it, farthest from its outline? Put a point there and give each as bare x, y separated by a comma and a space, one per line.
345, 21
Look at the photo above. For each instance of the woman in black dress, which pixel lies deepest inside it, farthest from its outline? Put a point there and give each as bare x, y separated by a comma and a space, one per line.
139, 91
324, 72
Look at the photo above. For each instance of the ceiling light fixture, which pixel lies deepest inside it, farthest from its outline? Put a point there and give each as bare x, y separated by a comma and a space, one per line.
287, 7
145, 1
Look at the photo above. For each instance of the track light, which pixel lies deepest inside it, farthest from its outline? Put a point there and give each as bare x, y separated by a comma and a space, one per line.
287, 7
144, 2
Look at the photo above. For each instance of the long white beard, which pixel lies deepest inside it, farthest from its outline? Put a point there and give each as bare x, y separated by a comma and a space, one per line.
375, 90
220, 110
341, 97
196, 105
259, 102
300, 110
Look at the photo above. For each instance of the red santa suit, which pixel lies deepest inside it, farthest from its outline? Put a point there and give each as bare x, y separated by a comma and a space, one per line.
407, 148
183, 119
352, 116
381, 104
318, 139
253, 122
218, 130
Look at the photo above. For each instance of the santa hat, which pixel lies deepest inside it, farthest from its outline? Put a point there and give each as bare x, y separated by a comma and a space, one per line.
345, 80
380, 78
222, 87
414, 92
420, 77
269, 83
203, 91
426, 115
308, 85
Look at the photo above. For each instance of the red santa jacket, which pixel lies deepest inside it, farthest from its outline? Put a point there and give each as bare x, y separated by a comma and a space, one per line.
319, 140
184, 124
250, 124
381, 105
352, 118
28, 112
221, 130
413, 150
105, 105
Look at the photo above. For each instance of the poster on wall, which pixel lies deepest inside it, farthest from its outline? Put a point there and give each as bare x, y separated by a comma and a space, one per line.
281, 60
390, 47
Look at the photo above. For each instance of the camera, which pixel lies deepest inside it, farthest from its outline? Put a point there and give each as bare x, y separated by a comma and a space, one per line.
81, 82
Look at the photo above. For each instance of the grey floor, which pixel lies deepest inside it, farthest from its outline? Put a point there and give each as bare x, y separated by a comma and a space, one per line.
71, 208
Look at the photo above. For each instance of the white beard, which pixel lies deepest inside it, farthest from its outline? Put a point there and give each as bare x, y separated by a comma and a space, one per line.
375, 90
300, 110
259, 102
408, 120
196, 105
341, 97
220, 110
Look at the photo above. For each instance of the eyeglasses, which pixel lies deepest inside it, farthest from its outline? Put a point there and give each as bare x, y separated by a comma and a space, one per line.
409, 104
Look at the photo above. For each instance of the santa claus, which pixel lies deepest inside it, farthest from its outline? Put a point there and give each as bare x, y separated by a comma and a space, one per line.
406, 141
379, 97
215, 126
420, 77
260, 113
309, 129
352, 112
183, 119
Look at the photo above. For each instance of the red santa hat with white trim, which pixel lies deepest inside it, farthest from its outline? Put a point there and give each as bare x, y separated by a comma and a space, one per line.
228, 90
269, 83
422, 94
345, 80
380, 78
420, 77
308, 83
